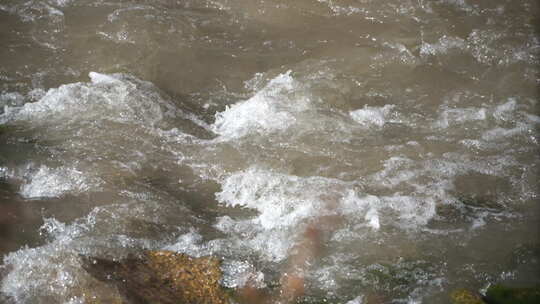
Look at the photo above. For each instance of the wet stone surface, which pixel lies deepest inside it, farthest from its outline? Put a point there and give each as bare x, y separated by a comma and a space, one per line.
161, 277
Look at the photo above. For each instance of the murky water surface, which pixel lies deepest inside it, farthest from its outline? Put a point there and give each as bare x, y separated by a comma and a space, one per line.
404, 133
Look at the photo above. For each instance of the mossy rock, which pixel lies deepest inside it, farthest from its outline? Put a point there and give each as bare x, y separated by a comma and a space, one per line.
464, 296
162, 277
499, 294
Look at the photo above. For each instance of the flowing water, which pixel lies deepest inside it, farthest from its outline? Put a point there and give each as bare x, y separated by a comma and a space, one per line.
400, 136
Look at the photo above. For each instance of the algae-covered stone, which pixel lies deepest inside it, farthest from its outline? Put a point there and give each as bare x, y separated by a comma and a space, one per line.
464, 296
499, 294
162, 277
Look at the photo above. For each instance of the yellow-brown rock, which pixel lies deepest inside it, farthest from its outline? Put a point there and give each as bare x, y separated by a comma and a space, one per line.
464, 296
162, 277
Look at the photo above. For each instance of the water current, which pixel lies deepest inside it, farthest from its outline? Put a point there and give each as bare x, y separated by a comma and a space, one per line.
401, 136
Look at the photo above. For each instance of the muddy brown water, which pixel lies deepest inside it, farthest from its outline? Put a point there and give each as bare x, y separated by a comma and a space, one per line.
400, 136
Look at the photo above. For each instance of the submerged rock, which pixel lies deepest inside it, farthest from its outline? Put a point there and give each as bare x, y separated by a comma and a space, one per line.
471, 201
499, 294
162, 277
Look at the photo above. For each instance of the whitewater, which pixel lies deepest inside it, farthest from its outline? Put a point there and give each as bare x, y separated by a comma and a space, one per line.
404, 133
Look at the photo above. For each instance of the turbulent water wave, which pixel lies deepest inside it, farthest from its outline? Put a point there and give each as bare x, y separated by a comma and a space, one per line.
105, 98
400, 137
268, 110
403, 193
53, 272
48, 182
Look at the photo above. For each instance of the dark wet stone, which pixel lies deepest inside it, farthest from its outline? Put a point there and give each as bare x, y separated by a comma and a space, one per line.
480, 202
162, 277
499, 294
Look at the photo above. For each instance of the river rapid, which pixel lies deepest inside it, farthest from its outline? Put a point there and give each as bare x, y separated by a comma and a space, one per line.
399, 136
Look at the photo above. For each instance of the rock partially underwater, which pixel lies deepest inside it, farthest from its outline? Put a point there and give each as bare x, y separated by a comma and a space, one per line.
464, 296
498, 294
162, 277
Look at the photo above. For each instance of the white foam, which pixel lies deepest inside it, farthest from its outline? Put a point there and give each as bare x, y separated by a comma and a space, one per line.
281, 199
505, 111
61, 2
413, 188
49, 182
342, 10
443, 46
357, 300
461, 4
12, 99
3, 172
54, 271
286, 203
48, 271
235, 273
396, 52
36, 94
102, 78
451, 117
241, 273
372, 217
499, 133
533, 118
190, 243
283, 202
271, 109
373, 116
396, 169
108, 97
